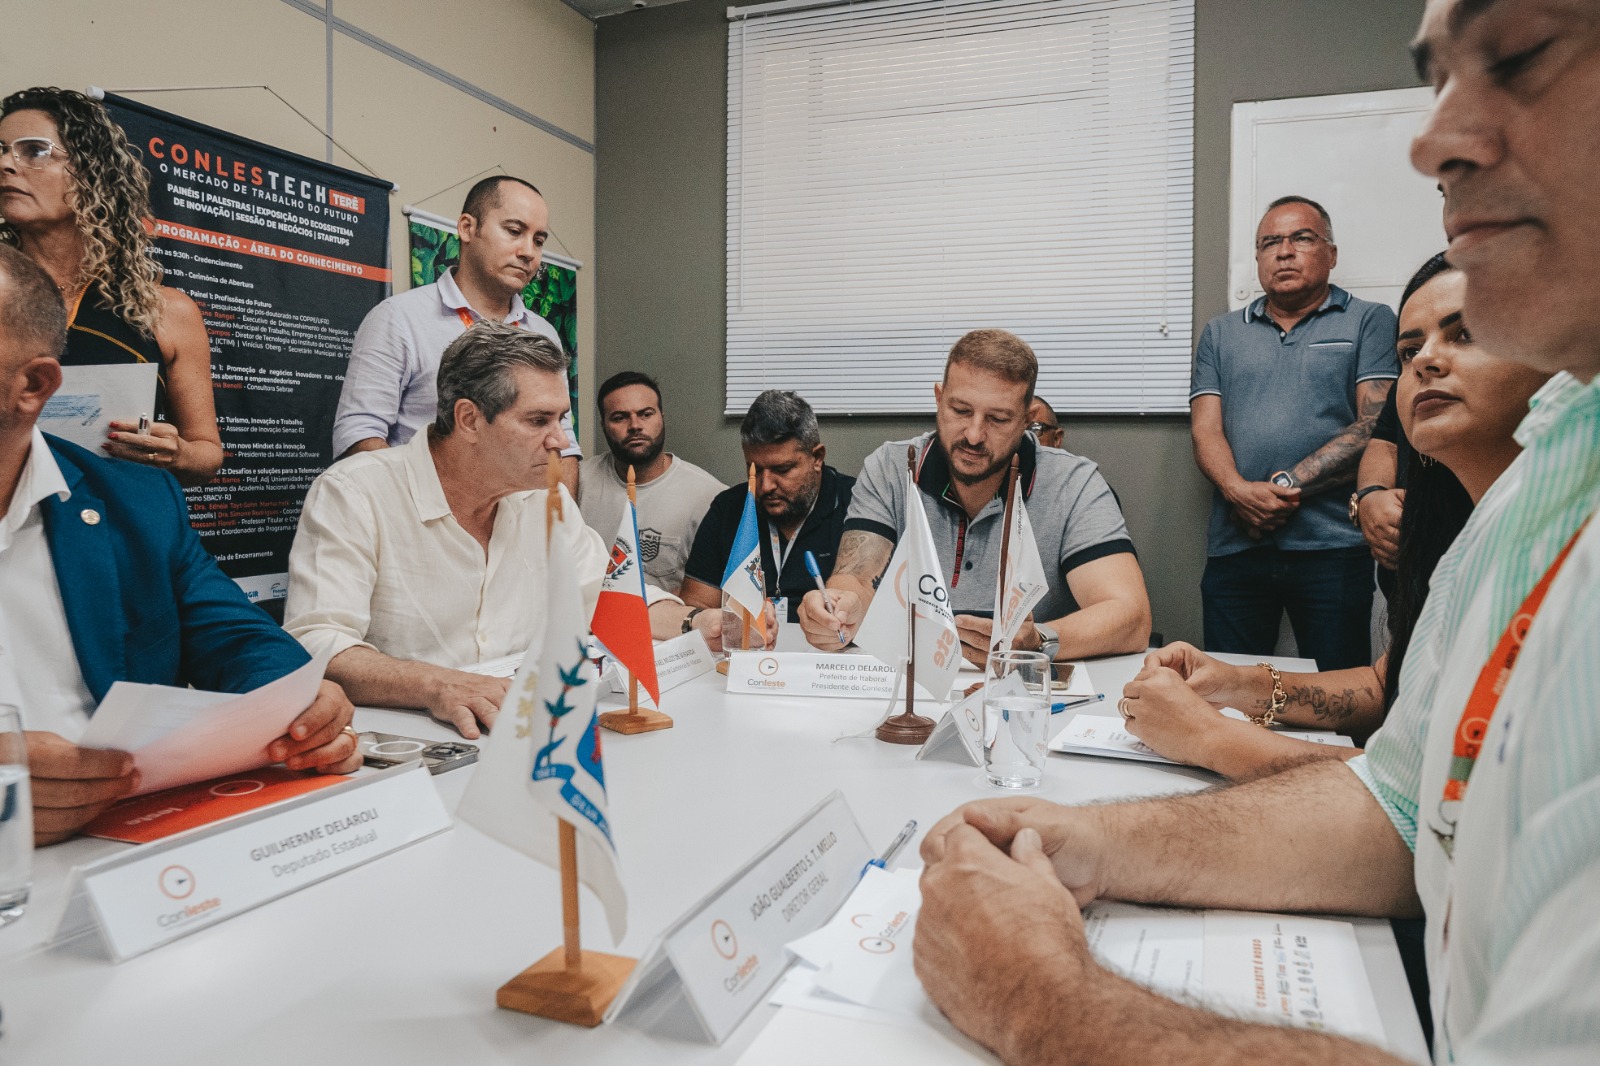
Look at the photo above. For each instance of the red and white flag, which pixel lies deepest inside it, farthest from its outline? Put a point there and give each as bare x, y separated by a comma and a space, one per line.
622, 615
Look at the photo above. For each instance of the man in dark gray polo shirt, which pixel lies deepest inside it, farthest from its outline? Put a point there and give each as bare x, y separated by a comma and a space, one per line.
1283, 400
1096, 604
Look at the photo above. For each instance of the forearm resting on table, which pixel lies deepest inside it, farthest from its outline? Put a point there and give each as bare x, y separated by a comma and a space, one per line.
1110, 1021
666, 619
1241, 751
1311, 839
1111, 627
699, 594
373, 679
1349, 701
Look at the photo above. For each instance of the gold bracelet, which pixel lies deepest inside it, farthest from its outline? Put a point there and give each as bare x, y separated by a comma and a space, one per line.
1279, 697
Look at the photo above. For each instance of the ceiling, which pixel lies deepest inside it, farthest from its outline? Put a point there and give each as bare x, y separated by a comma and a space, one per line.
596, 8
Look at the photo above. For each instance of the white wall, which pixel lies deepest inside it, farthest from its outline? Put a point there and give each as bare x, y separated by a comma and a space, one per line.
403, 124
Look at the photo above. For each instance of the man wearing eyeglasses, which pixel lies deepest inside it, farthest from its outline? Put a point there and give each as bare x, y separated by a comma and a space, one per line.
1283, 399
1043, 424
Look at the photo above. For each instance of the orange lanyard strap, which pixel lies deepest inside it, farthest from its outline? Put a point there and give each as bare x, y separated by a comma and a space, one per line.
465, 316
1492, 680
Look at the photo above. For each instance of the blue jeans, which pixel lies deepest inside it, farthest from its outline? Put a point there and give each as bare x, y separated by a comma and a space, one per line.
1328, 595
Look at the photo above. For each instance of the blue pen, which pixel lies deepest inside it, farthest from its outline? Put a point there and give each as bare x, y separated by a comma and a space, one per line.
1057, 708
816, 575
882, 862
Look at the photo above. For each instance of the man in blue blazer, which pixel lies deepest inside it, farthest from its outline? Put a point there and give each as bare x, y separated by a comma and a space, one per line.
103, 580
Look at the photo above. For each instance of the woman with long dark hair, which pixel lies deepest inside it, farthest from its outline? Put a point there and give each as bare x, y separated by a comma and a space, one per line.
1459, 406
75, 199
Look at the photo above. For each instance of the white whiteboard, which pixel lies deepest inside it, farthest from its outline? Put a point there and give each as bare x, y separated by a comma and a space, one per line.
1350, 153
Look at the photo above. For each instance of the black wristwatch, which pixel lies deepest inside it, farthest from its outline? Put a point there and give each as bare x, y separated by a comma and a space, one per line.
688, 619
1356, 498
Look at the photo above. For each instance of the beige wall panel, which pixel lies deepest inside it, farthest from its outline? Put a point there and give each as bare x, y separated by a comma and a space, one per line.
537, 54
406, 126
77, 43
429, 139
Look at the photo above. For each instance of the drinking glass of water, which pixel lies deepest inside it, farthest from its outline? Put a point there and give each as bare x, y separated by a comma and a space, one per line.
1016, 719
16, 819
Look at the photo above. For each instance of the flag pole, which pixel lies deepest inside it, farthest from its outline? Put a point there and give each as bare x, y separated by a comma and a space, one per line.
1005, 554
571, 937
633, 682
746, 614
908, 727
569, 984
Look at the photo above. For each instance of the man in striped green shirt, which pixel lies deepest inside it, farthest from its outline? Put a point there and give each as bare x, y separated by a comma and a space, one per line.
1506, 873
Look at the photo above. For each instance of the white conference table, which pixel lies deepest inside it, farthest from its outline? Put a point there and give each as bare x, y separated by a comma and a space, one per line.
397, 961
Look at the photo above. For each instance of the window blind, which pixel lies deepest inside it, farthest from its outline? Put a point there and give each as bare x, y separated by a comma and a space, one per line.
902, 171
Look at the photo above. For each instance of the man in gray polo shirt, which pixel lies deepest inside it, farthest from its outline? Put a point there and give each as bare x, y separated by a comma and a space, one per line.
1283, 399
1097, 603
389, 388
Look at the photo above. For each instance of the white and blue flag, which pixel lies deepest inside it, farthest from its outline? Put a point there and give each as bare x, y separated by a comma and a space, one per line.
543, 755
743, 580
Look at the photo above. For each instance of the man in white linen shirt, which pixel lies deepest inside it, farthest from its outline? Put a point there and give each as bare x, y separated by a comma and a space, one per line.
388, 392
413, 563
1478, 802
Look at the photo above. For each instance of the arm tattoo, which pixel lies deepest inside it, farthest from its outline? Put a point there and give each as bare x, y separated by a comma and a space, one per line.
862, 555
1334, 707
1336, 461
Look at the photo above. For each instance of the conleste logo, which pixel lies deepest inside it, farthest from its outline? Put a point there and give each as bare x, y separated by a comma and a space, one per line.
767, 667
727, 945
178, 883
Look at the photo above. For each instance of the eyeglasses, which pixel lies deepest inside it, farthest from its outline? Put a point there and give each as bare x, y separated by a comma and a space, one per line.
1040, 427
1302, 241
32, 152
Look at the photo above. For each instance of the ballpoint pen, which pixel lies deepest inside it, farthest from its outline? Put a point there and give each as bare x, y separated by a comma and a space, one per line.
882, 862
816, 575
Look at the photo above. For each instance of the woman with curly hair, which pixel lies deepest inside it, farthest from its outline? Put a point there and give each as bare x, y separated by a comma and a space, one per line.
74, 198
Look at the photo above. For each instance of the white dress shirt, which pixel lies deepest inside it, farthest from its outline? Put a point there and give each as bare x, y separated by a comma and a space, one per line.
380, 562
37, 661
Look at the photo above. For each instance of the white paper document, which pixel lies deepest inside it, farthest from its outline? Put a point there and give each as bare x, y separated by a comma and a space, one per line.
179, 735
91, 396
1304, 972
1273, 968
1159, 948
1097, 734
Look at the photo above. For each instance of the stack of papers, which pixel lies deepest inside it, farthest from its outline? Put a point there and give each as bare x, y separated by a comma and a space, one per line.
1273, 968
182, 735
1095, 734
859, 964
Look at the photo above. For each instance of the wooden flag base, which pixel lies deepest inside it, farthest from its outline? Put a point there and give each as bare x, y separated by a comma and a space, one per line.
905, 728
640, 721
550, 990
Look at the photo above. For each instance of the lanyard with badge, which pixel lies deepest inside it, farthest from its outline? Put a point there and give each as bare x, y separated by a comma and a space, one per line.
1473, 728
782, 551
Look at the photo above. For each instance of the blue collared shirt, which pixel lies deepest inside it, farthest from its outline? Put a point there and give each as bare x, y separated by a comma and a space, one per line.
1286, 394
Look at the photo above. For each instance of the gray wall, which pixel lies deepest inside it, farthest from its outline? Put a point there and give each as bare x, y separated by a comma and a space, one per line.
661, 83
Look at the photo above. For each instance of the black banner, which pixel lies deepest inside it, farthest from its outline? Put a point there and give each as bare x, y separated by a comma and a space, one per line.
285, 256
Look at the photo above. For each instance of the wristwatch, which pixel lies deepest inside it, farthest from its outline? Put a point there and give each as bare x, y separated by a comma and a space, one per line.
1355, 502
688, 619
1049, 643
1283, 479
